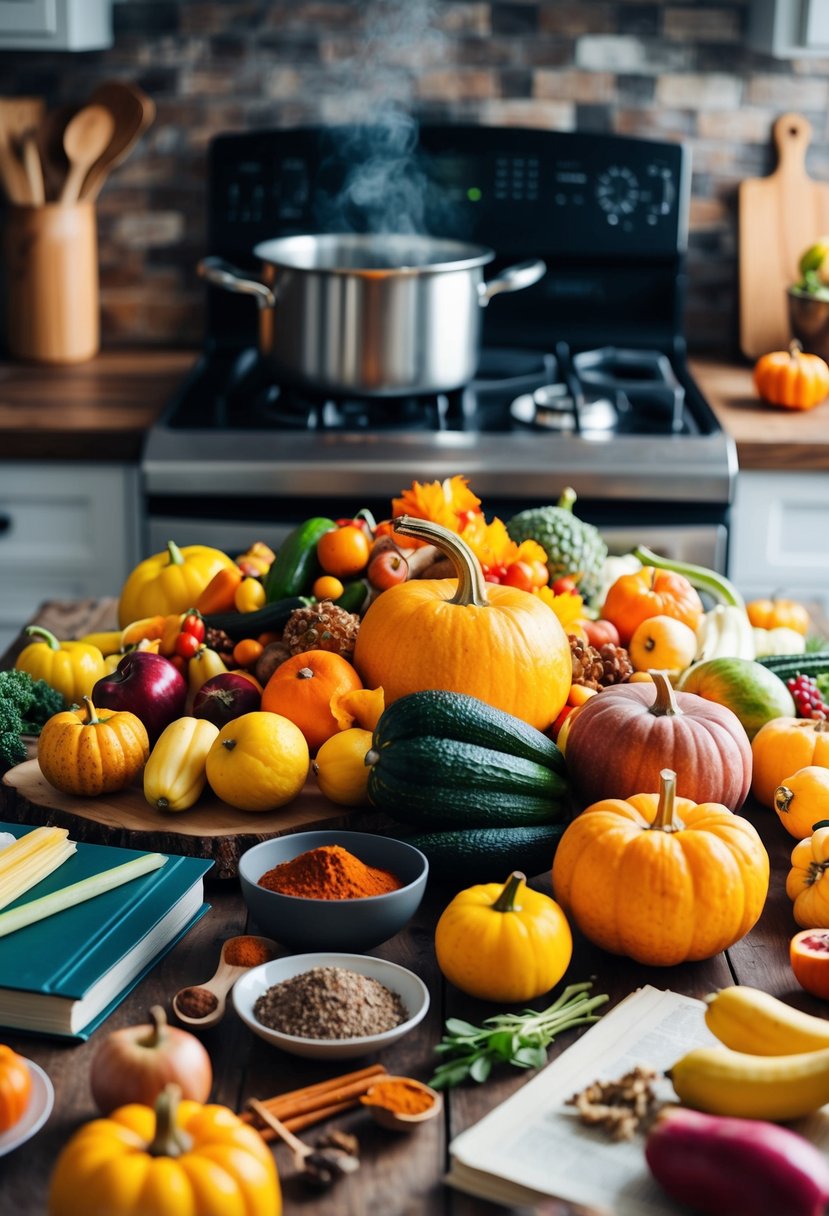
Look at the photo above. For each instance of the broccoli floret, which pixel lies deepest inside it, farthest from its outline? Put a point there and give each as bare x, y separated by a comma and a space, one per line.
34, 700
12, 749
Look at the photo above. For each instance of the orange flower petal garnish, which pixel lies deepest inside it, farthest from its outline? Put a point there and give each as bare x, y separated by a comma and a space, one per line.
358, 707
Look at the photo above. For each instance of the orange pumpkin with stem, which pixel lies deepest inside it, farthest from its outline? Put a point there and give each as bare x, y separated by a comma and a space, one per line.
661, 879
650, 592
779, 613
807, 883
792, 378
500, 644
783, 746
301, 689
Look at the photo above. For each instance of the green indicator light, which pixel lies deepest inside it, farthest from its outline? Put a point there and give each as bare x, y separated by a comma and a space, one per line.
474, 194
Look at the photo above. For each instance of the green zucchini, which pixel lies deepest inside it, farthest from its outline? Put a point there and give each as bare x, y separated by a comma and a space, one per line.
273, 617
488, 854
353, 597
438, 782
814, 663
454, 715
296, 565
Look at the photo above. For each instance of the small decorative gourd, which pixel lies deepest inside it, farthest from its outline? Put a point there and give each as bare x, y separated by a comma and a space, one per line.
179, 1157
89, 753
802, 800
503, 941
782, 747
792, 378
621, 739
807, 883
661, 879
500, 644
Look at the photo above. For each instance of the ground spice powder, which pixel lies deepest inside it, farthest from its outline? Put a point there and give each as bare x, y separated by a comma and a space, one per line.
330, 1003
400, 1095
329, 872
246, 952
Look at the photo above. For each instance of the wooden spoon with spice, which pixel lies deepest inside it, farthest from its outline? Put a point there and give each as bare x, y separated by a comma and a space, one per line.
321, 1166
401, 1103
204, 1005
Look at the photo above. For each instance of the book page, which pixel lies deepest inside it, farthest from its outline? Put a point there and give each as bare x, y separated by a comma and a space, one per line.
533, 1144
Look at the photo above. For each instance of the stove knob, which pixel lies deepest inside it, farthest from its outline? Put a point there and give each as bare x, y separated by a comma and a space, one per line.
617, 192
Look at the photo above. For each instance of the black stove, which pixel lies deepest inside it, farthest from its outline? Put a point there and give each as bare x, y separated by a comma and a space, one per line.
582, 378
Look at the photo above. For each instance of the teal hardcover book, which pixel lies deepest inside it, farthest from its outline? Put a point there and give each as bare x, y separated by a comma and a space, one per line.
65, 974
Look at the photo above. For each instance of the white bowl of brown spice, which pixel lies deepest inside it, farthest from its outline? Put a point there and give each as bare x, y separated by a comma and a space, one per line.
332, 890
331, 1006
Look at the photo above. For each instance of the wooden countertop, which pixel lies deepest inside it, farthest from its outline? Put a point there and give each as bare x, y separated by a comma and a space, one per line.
400, 1175
101, 410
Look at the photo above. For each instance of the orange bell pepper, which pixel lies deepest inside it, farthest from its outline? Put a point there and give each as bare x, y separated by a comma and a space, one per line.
219, 593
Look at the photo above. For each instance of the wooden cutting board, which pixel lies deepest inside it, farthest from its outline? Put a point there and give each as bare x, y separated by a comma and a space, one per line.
780, 216
209, 829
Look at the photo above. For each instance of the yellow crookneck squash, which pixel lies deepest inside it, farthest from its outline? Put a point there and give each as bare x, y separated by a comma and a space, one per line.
661, 879
180, 1158
71, 668
499, 644
503, 941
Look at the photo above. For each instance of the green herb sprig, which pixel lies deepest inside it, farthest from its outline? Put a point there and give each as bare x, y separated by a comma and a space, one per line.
520, 1039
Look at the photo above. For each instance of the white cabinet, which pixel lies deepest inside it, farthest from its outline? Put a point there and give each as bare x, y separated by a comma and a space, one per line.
67, 532
780, 535
55, 25
789, 29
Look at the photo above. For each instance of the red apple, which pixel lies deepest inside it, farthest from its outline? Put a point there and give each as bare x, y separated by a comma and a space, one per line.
146, 684
225, 697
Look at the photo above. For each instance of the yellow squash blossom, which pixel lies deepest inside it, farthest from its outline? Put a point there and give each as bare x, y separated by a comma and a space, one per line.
448, 502
568, 607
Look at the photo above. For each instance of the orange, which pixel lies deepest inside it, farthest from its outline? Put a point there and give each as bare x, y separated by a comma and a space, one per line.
301, 689
809, 955
344, 551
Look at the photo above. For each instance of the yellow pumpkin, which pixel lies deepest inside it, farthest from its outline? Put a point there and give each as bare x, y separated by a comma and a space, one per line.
503, 942
169, 582
803, 799
15, 1088
340, 767
177, 1158
499, 644
792, 378
89, 753
661, 879
807, 884
258, 762
783, 746
71, 668
779, 614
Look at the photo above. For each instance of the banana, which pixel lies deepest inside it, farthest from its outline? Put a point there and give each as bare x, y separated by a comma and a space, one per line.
725, 1082
746, 1019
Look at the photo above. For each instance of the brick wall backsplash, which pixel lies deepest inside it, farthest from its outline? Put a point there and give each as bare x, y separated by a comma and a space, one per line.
664, 69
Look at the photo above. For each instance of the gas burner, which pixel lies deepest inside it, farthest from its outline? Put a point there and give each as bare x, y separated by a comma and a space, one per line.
294, 409
553, 408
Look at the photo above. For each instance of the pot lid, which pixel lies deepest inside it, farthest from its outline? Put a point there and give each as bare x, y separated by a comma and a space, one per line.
390, 253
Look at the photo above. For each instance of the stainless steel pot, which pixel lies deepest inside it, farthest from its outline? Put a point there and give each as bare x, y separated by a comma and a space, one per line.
371, 315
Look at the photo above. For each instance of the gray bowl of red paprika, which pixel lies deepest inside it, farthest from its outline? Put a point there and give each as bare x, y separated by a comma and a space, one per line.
334, 917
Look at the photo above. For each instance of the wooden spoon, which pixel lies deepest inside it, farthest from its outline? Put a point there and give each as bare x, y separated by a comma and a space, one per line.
49, 138
319, 1166
86, 137
213, 994
17, 115
33, 168
393, 1119
133, 111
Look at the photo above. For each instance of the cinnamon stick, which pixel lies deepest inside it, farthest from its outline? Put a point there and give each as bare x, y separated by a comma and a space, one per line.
337, 1091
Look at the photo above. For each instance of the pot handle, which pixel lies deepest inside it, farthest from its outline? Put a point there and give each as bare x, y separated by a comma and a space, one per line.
513, 278
222, 274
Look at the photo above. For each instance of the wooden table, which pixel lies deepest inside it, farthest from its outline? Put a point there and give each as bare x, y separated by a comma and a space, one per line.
401, 1175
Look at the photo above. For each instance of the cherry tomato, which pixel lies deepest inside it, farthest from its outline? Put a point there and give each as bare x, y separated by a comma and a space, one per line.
193, 624
541, 574
344, 551
520, 575
187, 644
566, 585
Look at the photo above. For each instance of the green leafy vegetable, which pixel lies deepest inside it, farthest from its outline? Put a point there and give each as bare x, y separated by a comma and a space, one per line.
520, 1039
25, 704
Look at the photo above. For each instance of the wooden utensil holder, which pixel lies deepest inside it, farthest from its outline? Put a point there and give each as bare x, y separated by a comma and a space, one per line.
51, 267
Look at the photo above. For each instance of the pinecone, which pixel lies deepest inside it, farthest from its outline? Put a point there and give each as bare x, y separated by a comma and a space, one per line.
218, 640
323, 626
599, 667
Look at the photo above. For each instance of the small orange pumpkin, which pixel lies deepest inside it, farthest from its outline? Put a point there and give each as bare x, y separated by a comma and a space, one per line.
15, 1087
88, 753
650, 592
661, 879
302, 688
792, 378
783, 746
779, 614
807, 883
802, 800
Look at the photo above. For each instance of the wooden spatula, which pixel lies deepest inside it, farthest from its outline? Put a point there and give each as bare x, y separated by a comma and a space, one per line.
133, 111
85, 139
17, 115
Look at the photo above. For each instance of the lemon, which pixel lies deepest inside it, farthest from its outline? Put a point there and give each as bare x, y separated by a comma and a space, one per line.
258, 762
815, 259
340, 767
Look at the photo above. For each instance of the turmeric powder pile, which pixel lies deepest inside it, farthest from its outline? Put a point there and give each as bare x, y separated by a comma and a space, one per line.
329, 872
400, 1095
